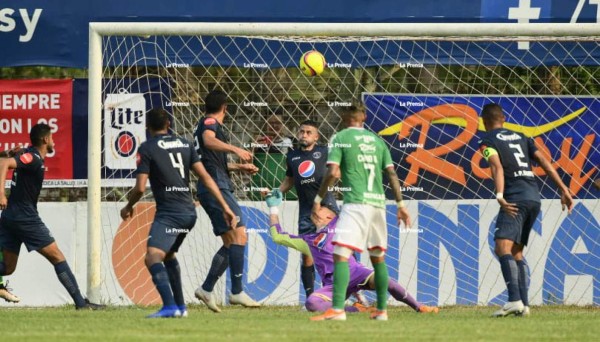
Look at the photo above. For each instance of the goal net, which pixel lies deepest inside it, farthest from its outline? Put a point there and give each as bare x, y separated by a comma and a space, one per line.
423, 91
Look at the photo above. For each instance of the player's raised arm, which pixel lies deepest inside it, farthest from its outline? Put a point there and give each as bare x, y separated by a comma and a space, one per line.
213, 188
565, 195
212, 143
5, 165
277, 234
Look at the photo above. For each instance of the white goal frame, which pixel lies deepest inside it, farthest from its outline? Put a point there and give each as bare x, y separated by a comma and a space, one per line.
99, 30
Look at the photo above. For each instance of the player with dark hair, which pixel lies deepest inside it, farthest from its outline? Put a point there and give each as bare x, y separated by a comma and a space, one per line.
318, 246
213, 144
166, 160
306, 167
20, 222
4, 289
509, 155
359, 156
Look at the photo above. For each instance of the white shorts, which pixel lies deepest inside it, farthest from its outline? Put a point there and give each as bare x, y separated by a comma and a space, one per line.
360, 225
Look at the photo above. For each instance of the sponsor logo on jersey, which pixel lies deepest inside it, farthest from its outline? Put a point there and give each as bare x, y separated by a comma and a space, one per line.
125, 144
167, 145
26, 158
320, 240
306, 168
366, 148
509, 137
295, 158
317, 155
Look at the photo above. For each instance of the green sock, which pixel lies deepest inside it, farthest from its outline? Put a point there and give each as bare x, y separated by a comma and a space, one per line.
1, 281
341, 277
381, 285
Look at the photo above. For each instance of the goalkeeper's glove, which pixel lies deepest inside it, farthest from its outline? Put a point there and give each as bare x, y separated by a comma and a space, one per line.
275, 198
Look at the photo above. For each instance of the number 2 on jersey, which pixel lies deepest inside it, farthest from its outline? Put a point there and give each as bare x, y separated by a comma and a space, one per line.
177, 162
519, 155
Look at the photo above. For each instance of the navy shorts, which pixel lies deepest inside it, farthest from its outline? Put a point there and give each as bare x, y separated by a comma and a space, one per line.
517, 228
306, 225
31, 231
215, 212
169, 230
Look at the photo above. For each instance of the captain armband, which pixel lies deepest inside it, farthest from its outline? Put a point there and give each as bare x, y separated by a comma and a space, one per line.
488, 152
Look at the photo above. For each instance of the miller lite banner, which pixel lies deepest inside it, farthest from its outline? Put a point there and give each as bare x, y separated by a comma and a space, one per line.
124, 128
25, 103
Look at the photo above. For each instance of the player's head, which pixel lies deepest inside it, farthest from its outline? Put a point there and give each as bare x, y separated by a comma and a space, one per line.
157, 120
354, 116
492, 116
215, 102
323, 216
308, 133
41, 135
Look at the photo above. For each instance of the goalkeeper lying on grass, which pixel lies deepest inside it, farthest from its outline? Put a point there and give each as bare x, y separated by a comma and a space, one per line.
318, 246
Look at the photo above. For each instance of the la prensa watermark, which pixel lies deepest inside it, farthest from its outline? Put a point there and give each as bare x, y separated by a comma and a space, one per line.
411, 231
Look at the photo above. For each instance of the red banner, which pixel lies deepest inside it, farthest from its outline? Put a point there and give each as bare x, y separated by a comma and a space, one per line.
24, 103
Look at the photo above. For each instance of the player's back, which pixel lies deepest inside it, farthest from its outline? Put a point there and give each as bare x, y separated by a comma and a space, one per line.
26, 185
362, 156
168, 159
515, 152
215, 162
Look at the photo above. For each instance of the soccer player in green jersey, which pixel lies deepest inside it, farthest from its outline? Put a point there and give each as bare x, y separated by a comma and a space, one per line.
360, 156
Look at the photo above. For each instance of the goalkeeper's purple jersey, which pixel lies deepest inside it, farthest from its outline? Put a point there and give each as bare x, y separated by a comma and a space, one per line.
321, 249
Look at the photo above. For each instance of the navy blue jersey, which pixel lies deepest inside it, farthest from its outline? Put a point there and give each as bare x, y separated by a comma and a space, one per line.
167, 159
214, 162
515, 152
26, 185
308, 169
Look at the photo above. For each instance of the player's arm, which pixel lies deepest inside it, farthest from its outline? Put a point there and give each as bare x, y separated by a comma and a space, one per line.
213, 188
332, 175
247, 168
402, 212
5, 165
287, 184
565, 195
135, 195
491, 155
212, 143
277, 234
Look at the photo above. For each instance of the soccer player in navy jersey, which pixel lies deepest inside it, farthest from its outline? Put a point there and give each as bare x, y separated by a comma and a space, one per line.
166, 160
212, 142
509, 155
20, 222
306, 167
4, 290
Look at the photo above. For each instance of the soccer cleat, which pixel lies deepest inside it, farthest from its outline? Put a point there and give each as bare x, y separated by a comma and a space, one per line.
428, 309
243, 299
362, 308
7, 295
183, 310
510, 308
379, 315
360, 298
90, 306
330, 315
525, 312
207, 298
166, 312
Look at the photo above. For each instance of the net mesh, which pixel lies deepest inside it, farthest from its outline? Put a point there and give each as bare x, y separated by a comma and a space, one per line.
440, 84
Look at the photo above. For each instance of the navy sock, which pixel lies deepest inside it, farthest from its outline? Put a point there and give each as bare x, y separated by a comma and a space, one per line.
67, 279
174, 273
523, 280
161, 281
219, 265
510, 272
307, 273
236, 267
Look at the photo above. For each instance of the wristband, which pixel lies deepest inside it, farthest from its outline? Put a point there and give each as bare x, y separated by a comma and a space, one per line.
400, 204
274, 211
499, 195
318, 199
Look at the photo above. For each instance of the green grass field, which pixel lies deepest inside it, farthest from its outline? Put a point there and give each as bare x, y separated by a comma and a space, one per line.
549, 323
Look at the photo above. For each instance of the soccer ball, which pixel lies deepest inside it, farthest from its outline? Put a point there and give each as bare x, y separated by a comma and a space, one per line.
312, 63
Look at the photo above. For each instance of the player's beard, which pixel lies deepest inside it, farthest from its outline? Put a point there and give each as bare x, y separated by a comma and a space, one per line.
50, 148
304, 143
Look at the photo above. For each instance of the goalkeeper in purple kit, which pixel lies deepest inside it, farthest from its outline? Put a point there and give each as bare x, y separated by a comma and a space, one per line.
318, 246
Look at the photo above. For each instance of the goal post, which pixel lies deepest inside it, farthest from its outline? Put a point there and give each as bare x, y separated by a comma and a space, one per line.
120, 56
